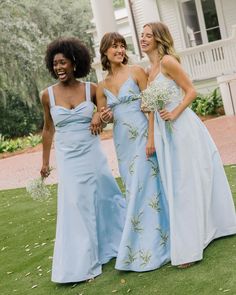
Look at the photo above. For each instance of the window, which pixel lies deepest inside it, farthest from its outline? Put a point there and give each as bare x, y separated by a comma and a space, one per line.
201, 24
118, 4
211, 20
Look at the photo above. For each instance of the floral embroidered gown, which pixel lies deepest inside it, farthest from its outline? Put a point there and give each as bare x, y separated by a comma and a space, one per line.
200, 201
145, 240
91, 209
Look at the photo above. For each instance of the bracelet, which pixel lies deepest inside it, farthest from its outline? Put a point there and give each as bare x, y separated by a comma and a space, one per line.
103, 121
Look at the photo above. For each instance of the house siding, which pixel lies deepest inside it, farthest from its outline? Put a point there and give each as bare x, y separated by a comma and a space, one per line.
229, 12
169, 14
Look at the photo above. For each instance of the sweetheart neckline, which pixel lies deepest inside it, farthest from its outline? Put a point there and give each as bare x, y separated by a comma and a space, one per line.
59, 106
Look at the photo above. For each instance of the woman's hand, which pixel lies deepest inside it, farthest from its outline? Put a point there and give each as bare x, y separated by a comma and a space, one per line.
150, 147
106, 115
96, 124
45, 170
167, 116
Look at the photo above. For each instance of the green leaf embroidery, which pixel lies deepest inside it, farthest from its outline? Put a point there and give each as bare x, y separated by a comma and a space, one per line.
145, 256
133, 131
155, 202
164, 237
136, 222
132, 256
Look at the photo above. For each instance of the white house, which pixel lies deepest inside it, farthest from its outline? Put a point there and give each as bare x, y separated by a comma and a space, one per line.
204, 32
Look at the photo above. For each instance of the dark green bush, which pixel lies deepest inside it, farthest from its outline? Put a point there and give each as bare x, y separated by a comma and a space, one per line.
18, 118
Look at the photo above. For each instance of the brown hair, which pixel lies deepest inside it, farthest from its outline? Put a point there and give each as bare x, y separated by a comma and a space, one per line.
165, 43
107, 40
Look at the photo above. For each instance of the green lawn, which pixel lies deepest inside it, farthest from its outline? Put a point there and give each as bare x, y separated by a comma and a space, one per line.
26, 246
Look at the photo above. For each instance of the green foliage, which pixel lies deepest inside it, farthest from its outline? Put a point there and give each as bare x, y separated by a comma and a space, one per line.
208, 104
118, 3
18, 118
34, 139
26, 28
27, 237
12, 145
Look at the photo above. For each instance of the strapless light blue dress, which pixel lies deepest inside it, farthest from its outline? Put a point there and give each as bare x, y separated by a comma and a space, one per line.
145, 241
200, 201
91, 208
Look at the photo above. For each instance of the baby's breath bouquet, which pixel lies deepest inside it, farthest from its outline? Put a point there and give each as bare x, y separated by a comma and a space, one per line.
156, 96
38, 189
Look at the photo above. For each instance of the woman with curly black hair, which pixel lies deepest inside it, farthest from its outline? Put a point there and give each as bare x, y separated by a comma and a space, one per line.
90, 205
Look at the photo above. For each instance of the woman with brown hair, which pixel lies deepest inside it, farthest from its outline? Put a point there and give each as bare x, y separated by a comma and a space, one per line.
145, 240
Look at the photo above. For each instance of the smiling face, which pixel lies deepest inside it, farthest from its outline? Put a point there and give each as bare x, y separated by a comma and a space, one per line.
147, 40
113, 50
116, 53
63, 67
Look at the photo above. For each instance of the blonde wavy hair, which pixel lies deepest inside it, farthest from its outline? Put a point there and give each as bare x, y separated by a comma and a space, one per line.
165, 43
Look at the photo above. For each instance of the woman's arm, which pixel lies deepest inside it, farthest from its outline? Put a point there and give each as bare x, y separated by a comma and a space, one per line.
150, 147
47, 135
172, 68
96, 124
104, 111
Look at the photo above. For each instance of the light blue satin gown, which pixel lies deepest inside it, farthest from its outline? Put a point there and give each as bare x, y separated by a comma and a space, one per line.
91, 209
200, 201
145, 240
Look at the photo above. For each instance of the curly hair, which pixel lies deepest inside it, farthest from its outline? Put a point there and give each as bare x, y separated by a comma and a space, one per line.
107, 40
165, 43
73, 49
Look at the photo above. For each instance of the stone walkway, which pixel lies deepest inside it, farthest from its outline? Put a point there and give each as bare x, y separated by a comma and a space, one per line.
17, 171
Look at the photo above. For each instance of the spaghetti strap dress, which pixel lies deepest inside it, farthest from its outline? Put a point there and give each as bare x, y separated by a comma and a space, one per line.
145, 240
200, 202
90, 206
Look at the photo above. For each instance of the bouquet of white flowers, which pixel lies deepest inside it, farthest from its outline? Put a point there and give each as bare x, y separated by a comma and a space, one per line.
38, 189
156, 96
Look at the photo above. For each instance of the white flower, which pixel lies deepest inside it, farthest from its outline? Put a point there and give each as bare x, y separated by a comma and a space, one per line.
157, 96
38, 189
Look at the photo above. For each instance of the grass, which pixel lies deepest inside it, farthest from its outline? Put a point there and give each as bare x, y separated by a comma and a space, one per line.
26, 246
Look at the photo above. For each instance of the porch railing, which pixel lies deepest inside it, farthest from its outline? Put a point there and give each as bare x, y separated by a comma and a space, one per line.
211, 60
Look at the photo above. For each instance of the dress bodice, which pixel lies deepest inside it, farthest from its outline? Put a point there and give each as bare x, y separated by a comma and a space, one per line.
127, 97
71, 119
168, 85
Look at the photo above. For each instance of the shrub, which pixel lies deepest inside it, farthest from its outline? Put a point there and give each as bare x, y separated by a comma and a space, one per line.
18, 118
208, 104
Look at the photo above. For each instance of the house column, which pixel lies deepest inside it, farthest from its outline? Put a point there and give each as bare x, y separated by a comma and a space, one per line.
104, 17
140, 12
104, 20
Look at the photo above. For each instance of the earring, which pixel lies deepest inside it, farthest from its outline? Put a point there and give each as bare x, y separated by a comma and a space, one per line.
74, 68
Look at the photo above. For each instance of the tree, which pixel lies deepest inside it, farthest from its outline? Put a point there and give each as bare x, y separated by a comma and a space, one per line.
27, 26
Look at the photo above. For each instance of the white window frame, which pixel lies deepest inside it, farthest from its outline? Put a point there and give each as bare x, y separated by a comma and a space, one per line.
218, 4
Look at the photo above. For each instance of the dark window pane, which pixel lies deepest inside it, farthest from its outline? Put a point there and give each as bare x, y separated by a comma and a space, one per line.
213, 34
210, 14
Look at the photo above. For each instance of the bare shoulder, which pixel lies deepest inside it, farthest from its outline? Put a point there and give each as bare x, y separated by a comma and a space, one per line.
169, 61
136, 69
44, 96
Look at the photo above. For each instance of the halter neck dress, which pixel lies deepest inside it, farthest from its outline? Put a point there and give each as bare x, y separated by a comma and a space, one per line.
91, 209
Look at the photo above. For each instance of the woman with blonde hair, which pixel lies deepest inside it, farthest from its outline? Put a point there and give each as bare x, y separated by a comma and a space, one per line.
201, 207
